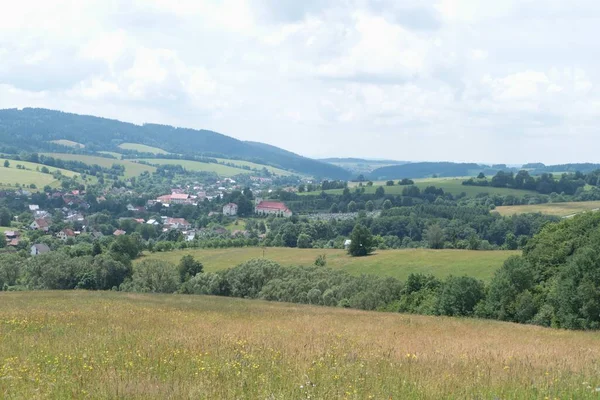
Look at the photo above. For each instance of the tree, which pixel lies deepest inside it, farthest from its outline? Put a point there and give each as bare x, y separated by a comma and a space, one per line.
321, 260
352, 206
435, 236
5, 217
481, 175
154, 276
369, 205
304, 241
389, 183
460, 295
6, 164
189, 267
334, 209
379, 192
361, 241
387, 204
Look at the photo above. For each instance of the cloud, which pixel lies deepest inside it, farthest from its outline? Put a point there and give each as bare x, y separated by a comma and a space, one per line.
446, 79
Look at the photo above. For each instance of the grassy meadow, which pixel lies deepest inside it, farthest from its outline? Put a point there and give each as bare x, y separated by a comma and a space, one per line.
118, 156
131, 168
557, 209
12, 175
142, 148
395, 263
450, 185
109, 345
197, 166
68, 143
240, 163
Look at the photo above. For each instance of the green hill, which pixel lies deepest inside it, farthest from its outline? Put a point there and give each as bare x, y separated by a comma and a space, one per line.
18, 127
131, 168
197, 166
30, 174
68, 143
142, 148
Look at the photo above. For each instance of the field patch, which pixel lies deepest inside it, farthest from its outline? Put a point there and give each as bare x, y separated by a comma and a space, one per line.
395, 263
557, 209
68, 143
110, 345
32, 174
142, 148
131, 168
241, 164
197, 166
118, 156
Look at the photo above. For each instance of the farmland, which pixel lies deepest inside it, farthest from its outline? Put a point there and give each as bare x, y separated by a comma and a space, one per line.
557, 209
240, 163
142, 148
131, 168
68, 143
118, 156
394, 263
30, 175
197, 166
449, 185
115, 345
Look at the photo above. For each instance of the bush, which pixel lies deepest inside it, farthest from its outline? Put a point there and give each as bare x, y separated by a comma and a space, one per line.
153, 276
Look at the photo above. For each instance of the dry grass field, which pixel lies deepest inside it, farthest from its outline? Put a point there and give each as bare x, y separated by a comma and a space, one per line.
107, 345
395, 263
131, 168
557, 209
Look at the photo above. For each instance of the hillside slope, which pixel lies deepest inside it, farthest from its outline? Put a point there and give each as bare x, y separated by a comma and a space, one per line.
31, 129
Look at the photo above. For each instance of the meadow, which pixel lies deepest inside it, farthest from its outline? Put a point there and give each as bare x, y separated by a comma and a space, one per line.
394, 263
12, 175
449, 185
68, 143
197, 166
118, 156
240, 163
557, 209
109, 345
131, 168
142, 148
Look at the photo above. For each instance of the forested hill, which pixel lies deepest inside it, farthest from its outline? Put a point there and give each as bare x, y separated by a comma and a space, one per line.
425, 169
31, 129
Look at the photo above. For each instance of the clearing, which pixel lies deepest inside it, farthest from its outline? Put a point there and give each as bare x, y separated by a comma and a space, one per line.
395, 263
12, 175
68, 143
109, 345
240, 163
197, 166
142, 148
131, 168
557, 209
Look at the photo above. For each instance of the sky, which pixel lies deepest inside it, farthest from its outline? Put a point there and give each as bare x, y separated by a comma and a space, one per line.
509, 81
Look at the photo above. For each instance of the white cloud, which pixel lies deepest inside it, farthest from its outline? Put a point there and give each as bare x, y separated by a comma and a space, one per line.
448, 79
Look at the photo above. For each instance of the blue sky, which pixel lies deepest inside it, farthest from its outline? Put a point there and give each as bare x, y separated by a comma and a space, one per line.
458, 80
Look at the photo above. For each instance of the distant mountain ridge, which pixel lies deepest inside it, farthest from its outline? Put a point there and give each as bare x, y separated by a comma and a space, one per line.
31, 129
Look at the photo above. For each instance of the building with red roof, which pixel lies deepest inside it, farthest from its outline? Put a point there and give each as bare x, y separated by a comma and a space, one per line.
276, 208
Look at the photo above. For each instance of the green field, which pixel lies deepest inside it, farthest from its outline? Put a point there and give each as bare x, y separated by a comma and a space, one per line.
118, 156
111, 345
68, 143
240, 163
9, 177
449, 185
131, 168
557, 209
197, 166
142, 148
395, 263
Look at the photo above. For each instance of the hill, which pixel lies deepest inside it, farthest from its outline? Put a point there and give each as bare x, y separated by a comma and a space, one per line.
359, 166
131, 168
394, 263
142, 148
426, 169
110, 345
31, 129
30, 174
558, 209
197, 166
68, 143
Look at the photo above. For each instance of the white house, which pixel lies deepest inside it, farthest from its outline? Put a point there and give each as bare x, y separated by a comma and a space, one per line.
230, 209
347, 244
272, 208
39, 248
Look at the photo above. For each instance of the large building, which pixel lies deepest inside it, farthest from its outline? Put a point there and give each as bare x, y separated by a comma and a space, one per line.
276, 208
230, 209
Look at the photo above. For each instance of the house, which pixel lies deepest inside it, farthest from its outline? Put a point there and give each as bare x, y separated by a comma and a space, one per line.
272, 208
40, 224
177, 223
230, 209
347, 244
153, 222
119, 232
12, 238
179, 198
39, 248
34, 207
65, 234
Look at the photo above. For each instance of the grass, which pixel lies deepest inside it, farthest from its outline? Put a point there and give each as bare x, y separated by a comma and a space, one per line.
557, 209
68, 143
241, 225
449, 185
10, 176
118, 156
142, 148
131, 168
240, 163
395, 263
197, 166
108, 345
